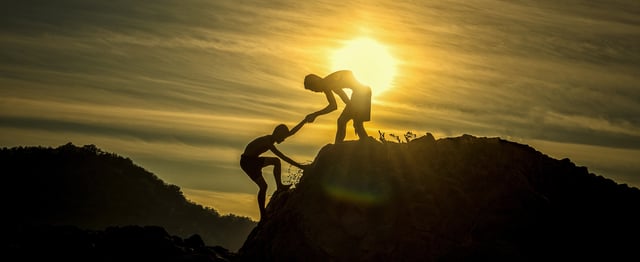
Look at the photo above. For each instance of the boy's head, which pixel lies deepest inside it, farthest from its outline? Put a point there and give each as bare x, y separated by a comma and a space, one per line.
280, 133
313, 82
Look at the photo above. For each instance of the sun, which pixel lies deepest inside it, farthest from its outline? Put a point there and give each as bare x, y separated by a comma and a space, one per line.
370, 62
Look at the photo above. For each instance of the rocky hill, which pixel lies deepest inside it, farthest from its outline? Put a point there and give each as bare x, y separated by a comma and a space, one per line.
90, 189
453, 199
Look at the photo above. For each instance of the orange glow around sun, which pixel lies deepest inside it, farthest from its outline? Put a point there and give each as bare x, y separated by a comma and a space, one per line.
370, 62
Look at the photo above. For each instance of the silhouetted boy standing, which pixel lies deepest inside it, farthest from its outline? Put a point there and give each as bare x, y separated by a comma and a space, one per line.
358, 106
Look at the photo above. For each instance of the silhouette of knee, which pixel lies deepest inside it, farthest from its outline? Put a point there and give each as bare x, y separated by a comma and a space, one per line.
342, 121
262, 186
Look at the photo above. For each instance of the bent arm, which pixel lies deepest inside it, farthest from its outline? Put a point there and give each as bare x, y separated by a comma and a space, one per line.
345, 98
285, 158
330, 107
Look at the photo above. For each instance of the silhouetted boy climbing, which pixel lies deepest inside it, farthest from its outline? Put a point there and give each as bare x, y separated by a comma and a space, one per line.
252, 163
358, 106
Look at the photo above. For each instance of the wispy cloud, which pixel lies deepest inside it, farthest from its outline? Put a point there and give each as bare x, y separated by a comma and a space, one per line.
182, 86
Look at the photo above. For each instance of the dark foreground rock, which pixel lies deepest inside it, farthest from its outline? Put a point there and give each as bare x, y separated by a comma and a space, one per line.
128, 243
455, 199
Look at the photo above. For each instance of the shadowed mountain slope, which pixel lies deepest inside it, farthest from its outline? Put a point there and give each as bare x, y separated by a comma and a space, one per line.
92, 190
453, 199
126, 243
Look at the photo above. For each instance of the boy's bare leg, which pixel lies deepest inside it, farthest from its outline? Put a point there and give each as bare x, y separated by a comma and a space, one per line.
358, 125
277, 168
341, 131
262, 193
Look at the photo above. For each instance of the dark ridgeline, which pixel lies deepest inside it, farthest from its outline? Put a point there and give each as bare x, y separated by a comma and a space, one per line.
90, 189
453, 199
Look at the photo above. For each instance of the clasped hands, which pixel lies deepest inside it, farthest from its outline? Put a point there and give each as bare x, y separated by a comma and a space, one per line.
311, 117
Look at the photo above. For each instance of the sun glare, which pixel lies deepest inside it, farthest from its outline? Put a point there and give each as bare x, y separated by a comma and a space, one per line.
369, 61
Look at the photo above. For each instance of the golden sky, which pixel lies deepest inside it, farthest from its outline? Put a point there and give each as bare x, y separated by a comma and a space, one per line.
180, 87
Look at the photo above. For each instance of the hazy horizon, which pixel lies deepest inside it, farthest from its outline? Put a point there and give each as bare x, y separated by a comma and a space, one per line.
180, 87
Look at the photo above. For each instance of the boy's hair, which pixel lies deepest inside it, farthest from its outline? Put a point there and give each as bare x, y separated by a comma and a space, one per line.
312, 82
281, 131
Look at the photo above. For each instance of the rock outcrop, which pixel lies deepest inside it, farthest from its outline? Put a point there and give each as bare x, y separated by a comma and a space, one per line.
453, 199
127, 243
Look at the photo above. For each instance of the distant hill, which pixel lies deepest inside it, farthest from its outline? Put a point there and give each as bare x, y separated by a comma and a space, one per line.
91, 189
453, 199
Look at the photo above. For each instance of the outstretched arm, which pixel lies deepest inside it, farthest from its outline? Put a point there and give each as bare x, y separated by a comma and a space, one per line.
328, 109
285, 158
297, 127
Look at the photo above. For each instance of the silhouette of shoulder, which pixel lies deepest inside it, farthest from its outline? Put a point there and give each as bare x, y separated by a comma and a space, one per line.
342, 79
259, 145
340, 73
338, 76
